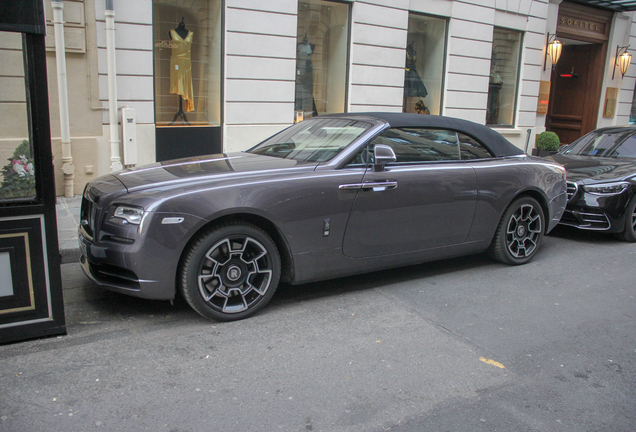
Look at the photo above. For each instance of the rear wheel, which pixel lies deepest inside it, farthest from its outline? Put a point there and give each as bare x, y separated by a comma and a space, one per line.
230, 272
519, 233
629, 232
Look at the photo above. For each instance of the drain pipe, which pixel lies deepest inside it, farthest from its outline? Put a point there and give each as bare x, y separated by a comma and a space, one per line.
65, 129
115, 158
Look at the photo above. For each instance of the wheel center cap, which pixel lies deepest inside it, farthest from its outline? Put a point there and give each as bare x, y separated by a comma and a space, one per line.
234, 273
521, 230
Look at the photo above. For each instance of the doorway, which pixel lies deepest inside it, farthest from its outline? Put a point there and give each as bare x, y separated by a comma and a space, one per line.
577, 80
575, 90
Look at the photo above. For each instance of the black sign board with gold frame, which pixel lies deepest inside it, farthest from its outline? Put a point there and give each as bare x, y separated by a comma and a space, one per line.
31, 302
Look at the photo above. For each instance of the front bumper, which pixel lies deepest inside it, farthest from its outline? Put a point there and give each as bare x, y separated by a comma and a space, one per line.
595, 212
147, 266
556, 209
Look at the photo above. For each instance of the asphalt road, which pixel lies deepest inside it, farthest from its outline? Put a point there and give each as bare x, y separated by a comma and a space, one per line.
458, 345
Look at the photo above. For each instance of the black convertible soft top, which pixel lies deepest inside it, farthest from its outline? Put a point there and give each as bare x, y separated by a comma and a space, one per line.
496, 143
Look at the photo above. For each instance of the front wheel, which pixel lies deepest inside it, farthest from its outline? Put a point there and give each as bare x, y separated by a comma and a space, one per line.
629, 232
230, 272
519, 233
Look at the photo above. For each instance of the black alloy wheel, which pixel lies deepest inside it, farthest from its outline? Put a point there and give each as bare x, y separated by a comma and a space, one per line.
629, 232
230, 272
519, 233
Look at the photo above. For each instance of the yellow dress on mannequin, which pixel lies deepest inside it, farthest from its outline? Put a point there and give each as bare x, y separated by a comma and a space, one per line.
181, 68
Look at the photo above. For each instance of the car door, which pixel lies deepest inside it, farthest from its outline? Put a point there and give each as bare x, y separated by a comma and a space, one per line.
426, 199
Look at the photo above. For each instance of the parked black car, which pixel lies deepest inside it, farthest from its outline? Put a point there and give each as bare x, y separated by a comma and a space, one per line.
330, 196
601, 169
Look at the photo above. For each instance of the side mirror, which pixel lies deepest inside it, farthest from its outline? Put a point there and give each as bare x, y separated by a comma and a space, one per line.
382, 155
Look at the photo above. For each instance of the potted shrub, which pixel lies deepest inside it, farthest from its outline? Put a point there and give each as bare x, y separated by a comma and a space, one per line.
547, 144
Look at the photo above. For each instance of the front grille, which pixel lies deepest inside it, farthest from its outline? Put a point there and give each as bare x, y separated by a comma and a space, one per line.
590, 219
572, 189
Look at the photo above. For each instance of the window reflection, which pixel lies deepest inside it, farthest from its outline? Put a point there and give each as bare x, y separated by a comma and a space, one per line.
321, 58
16, 151
504, 77
424, 68
187, 39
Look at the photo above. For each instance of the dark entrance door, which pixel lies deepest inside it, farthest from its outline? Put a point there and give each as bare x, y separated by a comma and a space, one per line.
30, 281
576, 83
575, 92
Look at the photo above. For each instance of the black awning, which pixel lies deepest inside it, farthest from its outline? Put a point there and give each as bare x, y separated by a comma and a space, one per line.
613, 5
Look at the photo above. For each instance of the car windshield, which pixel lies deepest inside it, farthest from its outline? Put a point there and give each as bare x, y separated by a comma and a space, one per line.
314, 140
608, 144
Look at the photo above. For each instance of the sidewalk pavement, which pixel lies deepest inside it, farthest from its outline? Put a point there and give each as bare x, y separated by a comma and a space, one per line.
68, 217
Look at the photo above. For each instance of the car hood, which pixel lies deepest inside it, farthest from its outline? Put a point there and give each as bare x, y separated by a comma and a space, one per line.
179, 172
591, 169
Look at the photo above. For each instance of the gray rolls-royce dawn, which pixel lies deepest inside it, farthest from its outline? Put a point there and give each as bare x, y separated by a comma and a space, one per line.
330, 196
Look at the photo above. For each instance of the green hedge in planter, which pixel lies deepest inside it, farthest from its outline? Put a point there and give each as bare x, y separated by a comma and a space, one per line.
548, 141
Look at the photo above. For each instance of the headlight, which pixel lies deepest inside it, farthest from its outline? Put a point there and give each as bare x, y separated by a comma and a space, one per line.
606, 188
129, 214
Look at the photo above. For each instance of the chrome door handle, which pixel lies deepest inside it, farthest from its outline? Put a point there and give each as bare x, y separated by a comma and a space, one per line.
370, 186
350, 186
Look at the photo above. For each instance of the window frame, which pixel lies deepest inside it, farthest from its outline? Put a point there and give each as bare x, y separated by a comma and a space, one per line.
347, 66
515, 101
444, 57
220, 67
367, 148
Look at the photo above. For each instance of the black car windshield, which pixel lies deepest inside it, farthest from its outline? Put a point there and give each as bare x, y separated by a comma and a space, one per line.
608, 144
314, 140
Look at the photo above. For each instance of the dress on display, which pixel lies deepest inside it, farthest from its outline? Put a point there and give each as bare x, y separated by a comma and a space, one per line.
181, 68
413, 85
305, 79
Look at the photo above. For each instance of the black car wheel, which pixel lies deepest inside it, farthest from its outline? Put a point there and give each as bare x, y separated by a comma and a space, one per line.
629, 233
230, 272
519, 233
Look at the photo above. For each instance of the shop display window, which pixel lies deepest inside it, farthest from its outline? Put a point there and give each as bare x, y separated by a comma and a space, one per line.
424, 68
187, 45
17, 175
321, 58
504, 77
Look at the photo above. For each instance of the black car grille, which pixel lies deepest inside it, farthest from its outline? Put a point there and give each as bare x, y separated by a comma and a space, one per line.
572, 189
591, 219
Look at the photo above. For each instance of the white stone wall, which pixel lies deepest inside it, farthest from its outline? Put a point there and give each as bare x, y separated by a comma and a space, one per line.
378, 55
378, 40
135, 82
625, 34
260, 56
260, 61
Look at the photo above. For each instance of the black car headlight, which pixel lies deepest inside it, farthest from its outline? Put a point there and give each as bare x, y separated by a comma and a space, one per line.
131, 215
606, 188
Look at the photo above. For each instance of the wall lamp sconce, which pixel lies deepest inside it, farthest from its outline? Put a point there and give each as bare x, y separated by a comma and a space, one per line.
622, 60
553, 49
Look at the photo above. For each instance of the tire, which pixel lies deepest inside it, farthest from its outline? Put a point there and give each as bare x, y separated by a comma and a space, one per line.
519, 233
629, 231
230, 272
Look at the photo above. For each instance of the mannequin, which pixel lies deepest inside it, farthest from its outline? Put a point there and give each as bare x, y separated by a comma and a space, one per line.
413, 85
494, 88
181, 69
304, 101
